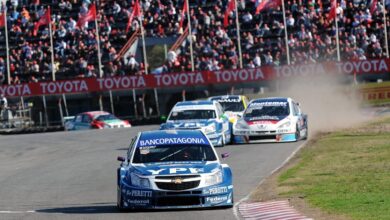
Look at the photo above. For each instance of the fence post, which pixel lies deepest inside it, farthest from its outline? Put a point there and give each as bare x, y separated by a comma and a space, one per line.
65, 104
135, 104
156, 99
112, 103
61, 113
45, 110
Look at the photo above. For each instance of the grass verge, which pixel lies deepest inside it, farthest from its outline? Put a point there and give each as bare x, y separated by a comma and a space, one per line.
340, 175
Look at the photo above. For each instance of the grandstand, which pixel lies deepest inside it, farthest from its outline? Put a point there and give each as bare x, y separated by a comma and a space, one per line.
311, 36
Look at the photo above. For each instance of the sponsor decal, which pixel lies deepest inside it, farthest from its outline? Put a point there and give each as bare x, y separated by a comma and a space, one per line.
139, 201
180, 79
262, 122
365, 66
139, 193
216, 199
163, 141
121, 82
15, 90
74, 86
299, 70
239, 75
260, 104
217, 190
177, 170
229, 100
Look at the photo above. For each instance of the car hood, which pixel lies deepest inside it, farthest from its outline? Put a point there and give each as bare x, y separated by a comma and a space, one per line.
176, 168
266, 118
187, 124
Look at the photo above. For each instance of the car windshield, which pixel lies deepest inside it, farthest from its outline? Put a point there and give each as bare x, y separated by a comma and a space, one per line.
267, 110
173, 153
106, 117
192, 114
234, 106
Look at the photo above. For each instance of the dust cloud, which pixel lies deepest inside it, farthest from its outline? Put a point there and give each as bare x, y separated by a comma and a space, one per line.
330, 102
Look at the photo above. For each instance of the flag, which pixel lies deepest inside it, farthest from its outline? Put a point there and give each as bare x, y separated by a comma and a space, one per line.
44, 20
131, 51
89, 16
2, 19
265, 4
230, 7
373, 6
332, 12
135, 13
183, 13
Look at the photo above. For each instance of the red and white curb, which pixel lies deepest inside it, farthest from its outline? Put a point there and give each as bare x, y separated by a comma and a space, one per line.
277, 210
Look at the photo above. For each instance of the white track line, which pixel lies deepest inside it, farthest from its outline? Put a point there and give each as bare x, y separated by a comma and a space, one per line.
16, 212
235, 207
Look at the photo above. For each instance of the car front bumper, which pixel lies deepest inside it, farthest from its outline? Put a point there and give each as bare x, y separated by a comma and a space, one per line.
213, 196
252, 136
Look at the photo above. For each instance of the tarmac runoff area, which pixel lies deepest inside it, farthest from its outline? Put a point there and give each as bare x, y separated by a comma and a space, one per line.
71, 175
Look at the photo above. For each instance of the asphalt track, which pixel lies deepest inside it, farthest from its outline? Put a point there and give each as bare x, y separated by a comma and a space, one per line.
72, 175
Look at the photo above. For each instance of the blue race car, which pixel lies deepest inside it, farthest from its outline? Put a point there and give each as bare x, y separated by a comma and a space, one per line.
173, 169
207, 116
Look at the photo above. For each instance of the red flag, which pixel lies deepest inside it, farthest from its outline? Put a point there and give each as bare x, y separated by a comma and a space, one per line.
265, 4
231, 7
44, 20
332, 12
373, 6
135, 13
89, 16
183, 13
2, 19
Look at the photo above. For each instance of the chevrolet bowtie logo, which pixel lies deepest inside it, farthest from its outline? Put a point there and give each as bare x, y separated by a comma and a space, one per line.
177, 180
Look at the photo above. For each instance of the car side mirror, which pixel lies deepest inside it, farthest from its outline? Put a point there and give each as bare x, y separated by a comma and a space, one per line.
225, 155
121, 159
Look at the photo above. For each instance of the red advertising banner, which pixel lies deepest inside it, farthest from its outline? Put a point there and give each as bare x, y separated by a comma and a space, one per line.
186, 79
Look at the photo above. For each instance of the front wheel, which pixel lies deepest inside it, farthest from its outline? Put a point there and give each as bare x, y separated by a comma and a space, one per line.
297, 134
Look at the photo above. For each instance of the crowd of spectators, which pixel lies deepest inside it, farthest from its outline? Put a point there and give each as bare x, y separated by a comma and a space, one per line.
311, 36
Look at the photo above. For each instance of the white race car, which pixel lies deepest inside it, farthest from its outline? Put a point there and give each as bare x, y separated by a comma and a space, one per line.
271, 120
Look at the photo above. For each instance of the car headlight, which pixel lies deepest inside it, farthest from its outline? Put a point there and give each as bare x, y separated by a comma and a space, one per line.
214, 179
209, 129
241, 124
139, 181
285, 125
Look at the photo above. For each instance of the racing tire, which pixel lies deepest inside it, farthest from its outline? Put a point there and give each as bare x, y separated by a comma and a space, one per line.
119, 203
223, 141
232, 139
297, 134
307, 134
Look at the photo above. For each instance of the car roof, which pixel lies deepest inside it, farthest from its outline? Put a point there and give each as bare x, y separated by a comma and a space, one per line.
164, 135
225, 97
198, 102
95, 113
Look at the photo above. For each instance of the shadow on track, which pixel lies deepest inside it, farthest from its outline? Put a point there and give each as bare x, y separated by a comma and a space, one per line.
109, 208
95, 208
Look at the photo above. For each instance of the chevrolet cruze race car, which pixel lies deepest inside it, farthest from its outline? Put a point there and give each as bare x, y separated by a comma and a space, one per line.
173, 169
207, 116
233, 105
271, 120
